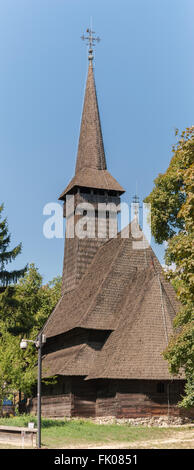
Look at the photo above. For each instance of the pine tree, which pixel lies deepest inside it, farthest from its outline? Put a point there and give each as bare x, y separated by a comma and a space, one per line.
7, 256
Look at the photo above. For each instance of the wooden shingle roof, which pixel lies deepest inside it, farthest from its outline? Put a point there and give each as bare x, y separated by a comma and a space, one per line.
91, 148
123, 291
91, 169
75, 360
95, 179
134, 349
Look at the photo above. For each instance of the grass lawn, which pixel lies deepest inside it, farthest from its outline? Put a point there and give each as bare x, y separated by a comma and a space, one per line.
84, 433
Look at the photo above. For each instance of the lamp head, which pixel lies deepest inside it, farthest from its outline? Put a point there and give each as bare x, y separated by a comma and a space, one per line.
23, 344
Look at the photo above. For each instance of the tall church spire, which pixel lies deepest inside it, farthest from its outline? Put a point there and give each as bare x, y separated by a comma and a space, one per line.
91, 148
91, 169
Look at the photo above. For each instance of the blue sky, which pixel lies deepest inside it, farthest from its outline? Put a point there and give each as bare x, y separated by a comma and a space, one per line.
144, 72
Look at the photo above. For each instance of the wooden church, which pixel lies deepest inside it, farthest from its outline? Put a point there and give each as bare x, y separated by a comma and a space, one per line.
106, 335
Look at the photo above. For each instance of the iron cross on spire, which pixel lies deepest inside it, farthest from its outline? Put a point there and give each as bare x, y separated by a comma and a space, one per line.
90, 41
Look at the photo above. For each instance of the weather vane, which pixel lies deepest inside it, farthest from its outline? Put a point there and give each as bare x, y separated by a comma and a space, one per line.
90, 41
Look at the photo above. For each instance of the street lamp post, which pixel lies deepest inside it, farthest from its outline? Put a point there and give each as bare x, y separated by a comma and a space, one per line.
41, 339
39, 346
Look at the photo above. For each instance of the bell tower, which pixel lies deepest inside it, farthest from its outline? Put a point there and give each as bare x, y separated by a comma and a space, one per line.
91, 185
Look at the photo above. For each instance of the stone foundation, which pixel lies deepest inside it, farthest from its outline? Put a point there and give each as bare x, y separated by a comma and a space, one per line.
162, 421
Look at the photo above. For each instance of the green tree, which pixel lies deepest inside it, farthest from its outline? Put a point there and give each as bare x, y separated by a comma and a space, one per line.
7, 256
172, 206
23, 316
35, 301
25, 309
25, 304
17, 368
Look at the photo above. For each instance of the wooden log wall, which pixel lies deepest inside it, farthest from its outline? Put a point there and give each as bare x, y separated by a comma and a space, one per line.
119, 398
84, 398
56, 406
133, 399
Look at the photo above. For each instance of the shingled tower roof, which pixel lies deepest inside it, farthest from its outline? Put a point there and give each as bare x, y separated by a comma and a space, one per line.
91, 168
91, 148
